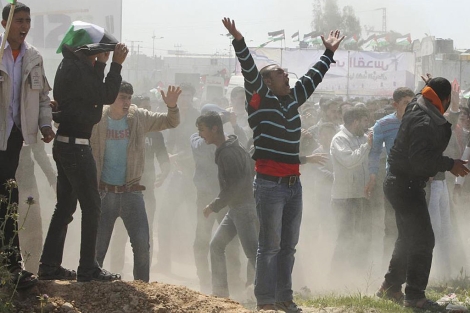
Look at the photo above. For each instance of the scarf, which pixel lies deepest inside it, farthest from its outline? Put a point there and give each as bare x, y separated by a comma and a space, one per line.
431, 96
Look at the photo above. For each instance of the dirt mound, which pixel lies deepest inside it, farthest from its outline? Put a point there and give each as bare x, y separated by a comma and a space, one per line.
118, 297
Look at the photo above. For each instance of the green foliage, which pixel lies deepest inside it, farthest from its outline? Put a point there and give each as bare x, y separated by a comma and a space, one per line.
329, 17
7, 288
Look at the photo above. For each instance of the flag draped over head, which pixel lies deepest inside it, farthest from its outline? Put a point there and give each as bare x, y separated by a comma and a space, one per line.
277, 35
88, 38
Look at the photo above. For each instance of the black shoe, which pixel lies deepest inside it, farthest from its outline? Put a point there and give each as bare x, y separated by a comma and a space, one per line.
425, 305
97, 274
49, 272
21, 279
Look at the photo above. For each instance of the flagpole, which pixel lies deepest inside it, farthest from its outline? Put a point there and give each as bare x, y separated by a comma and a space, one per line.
281, 50
347, 80
7, 29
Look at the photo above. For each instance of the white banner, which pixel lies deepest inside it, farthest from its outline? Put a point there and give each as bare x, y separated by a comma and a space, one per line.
356, 73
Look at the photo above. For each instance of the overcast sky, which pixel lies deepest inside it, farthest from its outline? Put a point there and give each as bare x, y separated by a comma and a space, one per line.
195, 26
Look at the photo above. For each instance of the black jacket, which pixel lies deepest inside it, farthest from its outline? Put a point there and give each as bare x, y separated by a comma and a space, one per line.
80, 91
236, 172
422, 138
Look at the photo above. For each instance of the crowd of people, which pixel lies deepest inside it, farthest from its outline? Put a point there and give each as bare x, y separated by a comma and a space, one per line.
238, 166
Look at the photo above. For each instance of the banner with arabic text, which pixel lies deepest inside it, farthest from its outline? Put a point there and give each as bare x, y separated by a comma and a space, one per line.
355, 73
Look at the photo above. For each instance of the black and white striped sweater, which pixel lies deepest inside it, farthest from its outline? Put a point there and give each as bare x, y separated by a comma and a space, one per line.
276, 121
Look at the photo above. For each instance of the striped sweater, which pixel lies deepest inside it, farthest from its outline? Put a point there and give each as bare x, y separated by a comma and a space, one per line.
276, 120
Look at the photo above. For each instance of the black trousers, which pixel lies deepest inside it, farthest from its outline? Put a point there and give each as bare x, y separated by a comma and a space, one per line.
412, 256
8, 164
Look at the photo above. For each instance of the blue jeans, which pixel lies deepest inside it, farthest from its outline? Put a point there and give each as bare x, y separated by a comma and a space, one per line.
241, 221
279, 208
76, 179
130, 207
201, 246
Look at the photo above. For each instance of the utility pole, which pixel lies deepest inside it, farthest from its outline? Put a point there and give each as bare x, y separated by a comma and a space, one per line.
135, 62
370, 29
153, 39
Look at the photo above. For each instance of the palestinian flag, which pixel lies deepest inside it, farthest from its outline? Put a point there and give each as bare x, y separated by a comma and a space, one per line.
404, 41
313, 37
277, 35
351, 40
264, 44
12, 1
88, 38
295, 36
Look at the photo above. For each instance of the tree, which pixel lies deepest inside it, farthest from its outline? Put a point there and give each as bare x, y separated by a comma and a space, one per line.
329, 17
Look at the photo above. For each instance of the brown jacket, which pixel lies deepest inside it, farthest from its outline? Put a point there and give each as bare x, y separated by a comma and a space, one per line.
140, 122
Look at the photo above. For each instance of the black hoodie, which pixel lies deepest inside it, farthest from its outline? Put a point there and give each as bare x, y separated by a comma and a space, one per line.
81, 92
236, 172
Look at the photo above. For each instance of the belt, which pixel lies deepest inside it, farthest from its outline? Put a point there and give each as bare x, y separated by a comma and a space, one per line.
120, 189
289, 180
403, 180
73, 140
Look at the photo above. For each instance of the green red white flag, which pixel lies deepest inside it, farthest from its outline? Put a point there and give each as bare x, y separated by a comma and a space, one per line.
404, 41
88, 38
277, 35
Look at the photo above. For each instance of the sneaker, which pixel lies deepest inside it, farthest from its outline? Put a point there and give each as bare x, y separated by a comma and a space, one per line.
266, 307
21, 279
49, 272
288, 306
424, 304
386, 293
97, 274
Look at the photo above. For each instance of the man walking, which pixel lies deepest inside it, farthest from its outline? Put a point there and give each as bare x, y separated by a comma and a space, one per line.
235, 173
274, 117
417, 155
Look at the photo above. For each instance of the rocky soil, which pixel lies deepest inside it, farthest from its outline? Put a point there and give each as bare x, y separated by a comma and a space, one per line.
118, 297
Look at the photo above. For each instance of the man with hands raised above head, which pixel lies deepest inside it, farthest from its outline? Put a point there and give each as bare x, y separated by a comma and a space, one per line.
272, 108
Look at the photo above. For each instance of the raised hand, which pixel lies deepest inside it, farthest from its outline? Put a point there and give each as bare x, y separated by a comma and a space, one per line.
455, 96
426, 78
171, 96
333, 40
232, 29
120, 53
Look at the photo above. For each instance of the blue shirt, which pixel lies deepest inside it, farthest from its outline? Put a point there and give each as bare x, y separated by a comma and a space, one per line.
115, 154
385, 131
